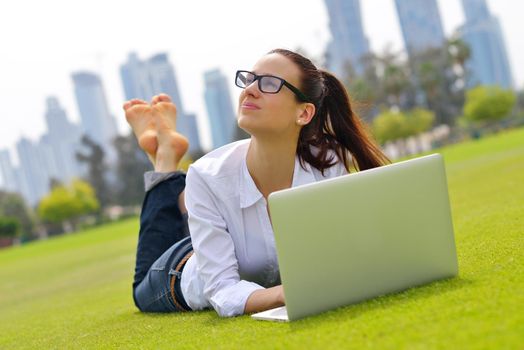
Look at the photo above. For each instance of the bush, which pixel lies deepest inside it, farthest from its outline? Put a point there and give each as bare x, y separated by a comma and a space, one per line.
9, 227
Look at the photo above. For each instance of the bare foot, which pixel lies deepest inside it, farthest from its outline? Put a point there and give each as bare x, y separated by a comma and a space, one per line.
139, 115
171, 145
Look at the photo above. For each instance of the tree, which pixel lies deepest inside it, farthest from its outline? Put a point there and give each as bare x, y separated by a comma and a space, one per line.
390, 125
9, 227
66, 204
520, 101
383, 84
97, 169
459, 53
396, 82
419, 120
434, 76
13, 205
487, 104
131, 165
394, 125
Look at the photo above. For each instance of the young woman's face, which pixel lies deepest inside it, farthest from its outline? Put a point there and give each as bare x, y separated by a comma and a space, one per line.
274, 114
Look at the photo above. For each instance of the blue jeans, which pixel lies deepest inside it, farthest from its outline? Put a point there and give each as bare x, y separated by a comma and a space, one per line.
163, 243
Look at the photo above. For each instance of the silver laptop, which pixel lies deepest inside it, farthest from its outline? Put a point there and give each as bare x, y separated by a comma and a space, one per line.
358, 236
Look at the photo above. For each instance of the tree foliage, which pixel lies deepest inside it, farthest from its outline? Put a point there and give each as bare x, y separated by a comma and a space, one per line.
394, 125
97, 169
68, 203
520, 100
132, 163
13, 205
488, 103
390, 126
9, 227
433, 79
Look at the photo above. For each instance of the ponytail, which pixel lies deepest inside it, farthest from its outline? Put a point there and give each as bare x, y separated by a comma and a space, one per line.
336, 127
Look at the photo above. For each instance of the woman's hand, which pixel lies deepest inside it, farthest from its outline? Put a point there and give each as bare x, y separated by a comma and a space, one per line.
265, 299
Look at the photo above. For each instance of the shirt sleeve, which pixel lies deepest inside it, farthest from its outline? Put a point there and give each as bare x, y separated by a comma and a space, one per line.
214, 248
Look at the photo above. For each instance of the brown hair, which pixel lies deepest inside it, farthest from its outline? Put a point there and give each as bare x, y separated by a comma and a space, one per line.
335, 126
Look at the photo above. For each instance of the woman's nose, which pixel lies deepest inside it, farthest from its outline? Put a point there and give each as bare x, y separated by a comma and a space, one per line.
252, 89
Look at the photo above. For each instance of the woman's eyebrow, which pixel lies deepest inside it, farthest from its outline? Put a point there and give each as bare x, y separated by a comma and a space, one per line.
263, 73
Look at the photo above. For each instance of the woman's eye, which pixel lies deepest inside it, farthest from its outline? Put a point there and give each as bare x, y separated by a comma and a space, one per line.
271, 84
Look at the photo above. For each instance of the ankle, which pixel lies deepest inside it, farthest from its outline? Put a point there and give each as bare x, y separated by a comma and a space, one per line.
166, 161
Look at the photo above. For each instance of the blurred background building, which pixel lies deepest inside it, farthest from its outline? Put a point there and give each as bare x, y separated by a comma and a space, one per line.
349, 43
219, 108
96, 121
489, 63
63, 138
420, 24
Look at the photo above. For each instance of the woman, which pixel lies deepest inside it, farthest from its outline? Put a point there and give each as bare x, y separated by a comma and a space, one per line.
302, 130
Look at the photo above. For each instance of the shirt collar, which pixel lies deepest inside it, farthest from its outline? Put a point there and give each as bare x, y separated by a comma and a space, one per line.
249, 193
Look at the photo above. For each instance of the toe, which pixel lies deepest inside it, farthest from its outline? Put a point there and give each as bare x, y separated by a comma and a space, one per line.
164, 98
133, 102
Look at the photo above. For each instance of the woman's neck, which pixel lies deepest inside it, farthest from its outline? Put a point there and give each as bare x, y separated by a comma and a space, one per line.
271, 163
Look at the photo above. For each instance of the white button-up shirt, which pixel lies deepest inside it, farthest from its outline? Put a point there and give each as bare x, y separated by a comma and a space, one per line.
234, 246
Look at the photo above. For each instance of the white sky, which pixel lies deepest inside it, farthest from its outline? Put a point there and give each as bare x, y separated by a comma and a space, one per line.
42, 42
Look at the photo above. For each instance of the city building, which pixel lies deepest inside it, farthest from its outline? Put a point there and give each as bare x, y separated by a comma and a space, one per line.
63, 137
192, 133
8, 172
348, 43
135, 79
145, 79
420, 24
219, 108
51, 158
96, 120
37, 168
488, 64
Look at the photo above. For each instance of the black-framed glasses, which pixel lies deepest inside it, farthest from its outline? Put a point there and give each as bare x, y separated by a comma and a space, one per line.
268, 84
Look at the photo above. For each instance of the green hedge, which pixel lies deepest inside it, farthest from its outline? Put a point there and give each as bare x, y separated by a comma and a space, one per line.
9, 227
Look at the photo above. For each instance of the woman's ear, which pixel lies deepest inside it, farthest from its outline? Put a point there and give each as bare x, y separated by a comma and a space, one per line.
307, 112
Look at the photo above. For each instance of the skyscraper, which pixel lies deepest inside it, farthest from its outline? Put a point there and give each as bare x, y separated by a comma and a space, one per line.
349, 43
219, 108
135, 78
64, 139
8, 173
192, 133
489, 62
96, 120
37, 167
420, 24
144, 79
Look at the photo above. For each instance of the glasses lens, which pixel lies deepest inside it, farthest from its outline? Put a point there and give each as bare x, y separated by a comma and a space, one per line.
270, 84
244, 79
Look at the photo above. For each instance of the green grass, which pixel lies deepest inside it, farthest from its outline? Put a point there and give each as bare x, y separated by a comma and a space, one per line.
75, 291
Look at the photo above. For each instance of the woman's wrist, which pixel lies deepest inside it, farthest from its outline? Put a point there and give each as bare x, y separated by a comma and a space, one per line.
265, 299
280, 295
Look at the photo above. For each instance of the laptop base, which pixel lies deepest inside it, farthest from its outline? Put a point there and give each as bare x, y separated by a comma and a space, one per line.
278, 314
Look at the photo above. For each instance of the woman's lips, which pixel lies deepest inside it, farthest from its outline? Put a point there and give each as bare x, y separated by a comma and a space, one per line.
249, 105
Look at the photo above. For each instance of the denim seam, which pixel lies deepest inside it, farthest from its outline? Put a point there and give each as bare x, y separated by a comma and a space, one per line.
155, 299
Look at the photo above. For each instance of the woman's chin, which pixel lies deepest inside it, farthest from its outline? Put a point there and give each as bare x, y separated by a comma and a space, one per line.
245, 122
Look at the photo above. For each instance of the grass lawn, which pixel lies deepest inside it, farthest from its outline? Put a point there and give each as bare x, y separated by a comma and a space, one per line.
75, 291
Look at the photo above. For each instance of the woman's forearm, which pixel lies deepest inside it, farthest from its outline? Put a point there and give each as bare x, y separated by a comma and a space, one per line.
265, 299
